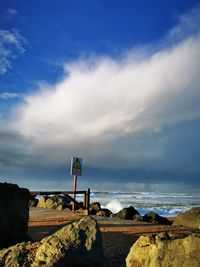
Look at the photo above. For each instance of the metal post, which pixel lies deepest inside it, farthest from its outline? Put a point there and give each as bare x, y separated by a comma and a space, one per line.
75, 182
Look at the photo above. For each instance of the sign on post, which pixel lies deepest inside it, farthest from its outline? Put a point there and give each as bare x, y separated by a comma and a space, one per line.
76, 169
76, 166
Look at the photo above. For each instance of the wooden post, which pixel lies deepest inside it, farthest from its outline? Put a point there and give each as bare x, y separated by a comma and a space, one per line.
75, 182
88, 201
85, 200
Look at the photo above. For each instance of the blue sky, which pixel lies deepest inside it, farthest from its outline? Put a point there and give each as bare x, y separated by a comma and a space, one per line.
113, 82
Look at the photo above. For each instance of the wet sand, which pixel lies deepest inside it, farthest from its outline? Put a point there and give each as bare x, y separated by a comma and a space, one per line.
117, 235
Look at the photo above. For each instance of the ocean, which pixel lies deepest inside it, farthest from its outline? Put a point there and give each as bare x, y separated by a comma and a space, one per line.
165, 204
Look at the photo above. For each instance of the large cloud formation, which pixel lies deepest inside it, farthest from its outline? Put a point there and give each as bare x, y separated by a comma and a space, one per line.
134, 113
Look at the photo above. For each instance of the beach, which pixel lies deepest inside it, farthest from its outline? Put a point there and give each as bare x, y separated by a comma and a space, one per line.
117, 235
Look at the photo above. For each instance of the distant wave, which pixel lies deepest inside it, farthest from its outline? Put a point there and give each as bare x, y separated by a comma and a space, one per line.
165, 204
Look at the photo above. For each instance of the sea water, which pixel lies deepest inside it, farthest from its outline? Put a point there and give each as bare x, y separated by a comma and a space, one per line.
165, 204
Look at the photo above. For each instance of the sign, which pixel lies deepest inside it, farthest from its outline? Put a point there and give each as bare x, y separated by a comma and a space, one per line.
76, 166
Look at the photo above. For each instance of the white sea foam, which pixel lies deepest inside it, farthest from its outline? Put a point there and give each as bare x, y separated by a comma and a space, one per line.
114, 206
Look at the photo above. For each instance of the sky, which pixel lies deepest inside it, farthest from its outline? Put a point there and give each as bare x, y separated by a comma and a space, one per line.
115, 83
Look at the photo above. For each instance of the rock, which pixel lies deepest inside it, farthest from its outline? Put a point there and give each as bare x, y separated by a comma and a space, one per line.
94, 207
155, 218
61, 200
68, 208
19, 255
50, 204
41, 203
137, 218
165, 250
33, 202
78, 244
80, 241
14, 214
60, 207
126, 213
53, 202
104, 212
190, 218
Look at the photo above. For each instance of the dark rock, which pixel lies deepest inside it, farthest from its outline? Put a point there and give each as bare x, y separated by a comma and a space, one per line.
33, 202
14, 214
126, 213
78, 244
155, 218
104, 212
190, 218
68, 207
137, 218
165, 250
94, 207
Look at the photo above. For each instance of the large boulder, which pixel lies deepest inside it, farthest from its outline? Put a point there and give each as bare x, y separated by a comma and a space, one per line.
78, 244
79, 241
126, 213
155, 218
190, 218
165, 250
14, 214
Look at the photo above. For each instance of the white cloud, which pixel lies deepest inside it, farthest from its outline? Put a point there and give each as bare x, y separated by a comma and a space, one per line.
7, 95
98, 106
111, 111
11, 46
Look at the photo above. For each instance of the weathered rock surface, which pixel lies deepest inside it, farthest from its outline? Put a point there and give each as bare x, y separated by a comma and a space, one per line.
14, 214
78, 244
41, 203
155, 218
126, 213
104, 212
94, 208
54, 202
21, 254
190, 218
165, 250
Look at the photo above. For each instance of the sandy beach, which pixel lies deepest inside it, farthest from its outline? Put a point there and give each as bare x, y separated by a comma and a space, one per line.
117, 235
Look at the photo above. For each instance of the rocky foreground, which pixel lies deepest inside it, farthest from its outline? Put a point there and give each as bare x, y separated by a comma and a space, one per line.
57, 237
77, 244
